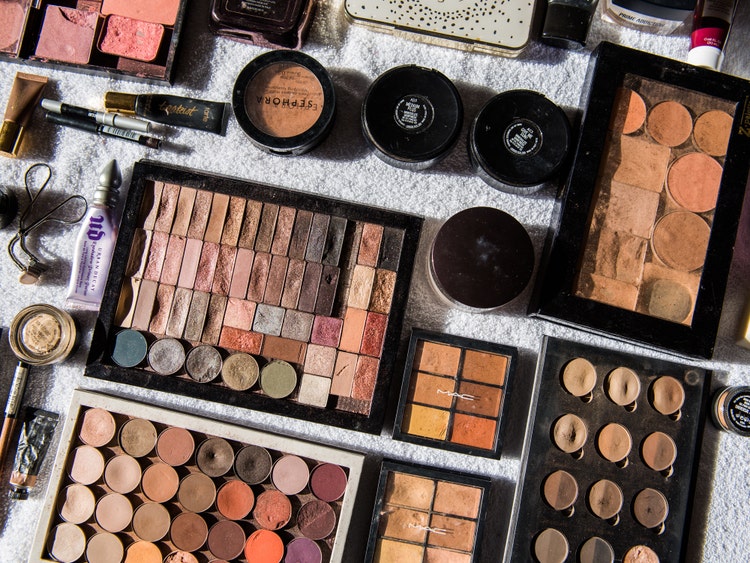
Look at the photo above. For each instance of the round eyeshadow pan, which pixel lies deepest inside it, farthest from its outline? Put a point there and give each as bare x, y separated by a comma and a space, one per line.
614, 442
680, 240
98, 427
605, 499
138, 437
203, 363
670, 123
180, 556
143, 552
160, 482
175, 446
77, 504
640, 554
264, 546
273, 510
188, 532
694, 180
630, 112
253, 464
240, 371
328, 482
560, 490
151, 521
290, 474
122, 473
596, 550
235, 500
551, 546
197, 492
316, 519
166, 356
104, 547
658, 451
278, 379
569, 433
622, 386
87, 465
712, 131
579, 377
650, 508
114, 512
130, 348
667, 395
214, 457
66, 543
226, 540
303, 550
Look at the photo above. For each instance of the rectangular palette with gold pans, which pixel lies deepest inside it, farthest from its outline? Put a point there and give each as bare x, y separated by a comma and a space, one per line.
454, 393
649, 218
424, 515
161, 485
256, 296
611, 457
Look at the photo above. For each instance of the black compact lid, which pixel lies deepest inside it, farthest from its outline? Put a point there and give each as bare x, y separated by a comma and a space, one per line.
412, 114
520, 138
8, 207
482, 258
566, 25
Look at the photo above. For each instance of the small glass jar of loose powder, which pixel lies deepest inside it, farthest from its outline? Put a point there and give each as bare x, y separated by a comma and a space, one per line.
731, 410
42, 334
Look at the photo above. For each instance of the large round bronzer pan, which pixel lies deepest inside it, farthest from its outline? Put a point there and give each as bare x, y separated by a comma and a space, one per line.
670, 123
693, 181
680, 240
712, 131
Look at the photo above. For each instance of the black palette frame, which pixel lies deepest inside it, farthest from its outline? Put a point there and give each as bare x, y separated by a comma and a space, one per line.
554, 296
461, 342
542, 457
101, 366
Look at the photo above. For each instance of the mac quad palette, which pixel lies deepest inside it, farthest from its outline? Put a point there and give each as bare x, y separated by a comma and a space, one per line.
649, 218
454, 392
163, 486
426, 515
255, 296
611, 457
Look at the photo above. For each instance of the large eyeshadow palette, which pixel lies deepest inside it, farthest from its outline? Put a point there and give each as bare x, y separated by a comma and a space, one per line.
454, 393
129, 38
423, 515
611, 465
164, 486
256, 296
650, 214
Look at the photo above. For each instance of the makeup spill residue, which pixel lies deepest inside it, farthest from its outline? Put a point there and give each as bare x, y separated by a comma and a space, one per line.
262, 301
655, 200
590, 461
204, 508
426, 515
453, 393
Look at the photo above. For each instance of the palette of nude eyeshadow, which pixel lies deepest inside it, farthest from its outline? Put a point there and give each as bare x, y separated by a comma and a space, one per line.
137, 482
611, 457
454, 393
255, 296
423, 515
647, 224
129, 38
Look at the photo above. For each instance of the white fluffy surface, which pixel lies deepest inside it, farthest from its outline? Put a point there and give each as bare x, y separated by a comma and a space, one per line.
343, 168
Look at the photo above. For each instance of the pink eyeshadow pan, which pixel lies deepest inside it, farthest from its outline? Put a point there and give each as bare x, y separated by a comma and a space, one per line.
156, 253
365, 377
130, 38
326, 331
372, 340
170, 271
224, 269
239, 313
369, 247
67, 35
164, 11
243, 266
167, 207
162, 306
190, 261
354, 327
200, 215
184, 211
320, 360
206, 266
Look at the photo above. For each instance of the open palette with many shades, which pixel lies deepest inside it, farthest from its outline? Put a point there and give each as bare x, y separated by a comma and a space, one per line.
611, 464
256, 296
168, 486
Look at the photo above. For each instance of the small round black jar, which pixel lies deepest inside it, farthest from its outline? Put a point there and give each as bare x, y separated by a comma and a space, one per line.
411, 117
285, 102
519, 140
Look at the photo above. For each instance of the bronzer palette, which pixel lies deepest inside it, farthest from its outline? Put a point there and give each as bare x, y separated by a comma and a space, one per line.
454, 393
425, 515
649, 218
165, 486
129, 38
256, 296
612, 458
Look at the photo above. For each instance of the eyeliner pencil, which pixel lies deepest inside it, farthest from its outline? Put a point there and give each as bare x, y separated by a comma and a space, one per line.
105, 130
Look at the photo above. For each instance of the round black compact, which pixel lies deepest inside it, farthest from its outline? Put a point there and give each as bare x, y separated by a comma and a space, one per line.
411, 117
519, 140
481, 258
285, 102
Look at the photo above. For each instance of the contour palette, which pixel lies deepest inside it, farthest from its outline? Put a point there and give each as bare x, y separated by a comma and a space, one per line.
129, 37
454, 392
256, 296
163, 486
424, 515
611, 465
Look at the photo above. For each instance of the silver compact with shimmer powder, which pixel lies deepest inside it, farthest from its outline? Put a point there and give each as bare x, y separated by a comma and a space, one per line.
256, 296
611, 457
164, 486
649, 219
